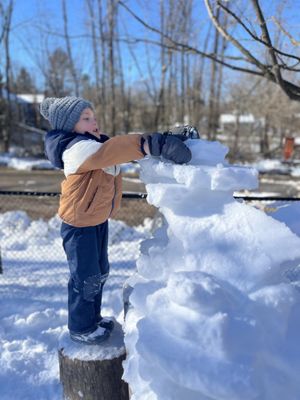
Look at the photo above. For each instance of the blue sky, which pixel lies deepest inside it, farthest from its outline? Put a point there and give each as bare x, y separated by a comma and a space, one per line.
27, 41
30, 14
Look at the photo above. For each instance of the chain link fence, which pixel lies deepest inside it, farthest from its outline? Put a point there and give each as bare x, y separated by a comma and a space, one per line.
30, 244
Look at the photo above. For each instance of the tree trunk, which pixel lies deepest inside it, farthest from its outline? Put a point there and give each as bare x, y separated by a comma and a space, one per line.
102, 25
220, 81
8, 130
112, 16
264, 142
99, 99
199, 92
236, 135
93, 372
124, 101
69, 51
1, 268
212, 123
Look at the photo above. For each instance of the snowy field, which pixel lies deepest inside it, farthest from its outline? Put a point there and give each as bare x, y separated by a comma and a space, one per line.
33, 313
29, 164
263, 166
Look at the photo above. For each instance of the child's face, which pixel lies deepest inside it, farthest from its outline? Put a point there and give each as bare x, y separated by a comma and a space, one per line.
87, 123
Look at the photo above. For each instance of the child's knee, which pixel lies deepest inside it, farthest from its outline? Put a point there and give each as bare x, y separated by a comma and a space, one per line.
92, 286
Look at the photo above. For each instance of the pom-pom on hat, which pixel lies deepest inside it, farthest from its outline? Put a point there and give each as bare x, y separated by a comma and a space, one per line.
63, 113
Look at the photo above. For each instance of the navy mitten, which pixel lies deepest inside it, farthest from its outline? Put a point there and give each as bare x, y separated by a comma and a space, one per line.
175, 150
168, 146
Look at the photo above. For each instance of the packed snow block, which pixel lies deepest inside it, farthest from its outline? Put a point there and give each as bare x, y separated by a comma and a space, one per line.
93, 372
214, 308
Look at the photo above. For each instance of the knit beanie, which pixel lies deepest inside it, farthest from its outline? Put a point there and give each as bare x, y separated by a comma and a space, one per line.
63, 113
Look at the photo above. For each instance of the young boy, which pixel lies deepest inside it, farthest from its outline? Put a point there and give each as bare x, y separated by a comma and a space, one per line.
90, 195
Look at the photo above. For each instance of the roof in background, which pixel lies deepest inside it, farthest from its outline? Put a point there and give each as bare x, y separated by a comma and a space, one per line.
31, 98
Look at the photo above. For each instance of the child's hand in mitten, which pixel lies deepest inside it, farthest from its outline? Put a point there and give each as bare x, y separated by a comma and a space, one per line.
168, 146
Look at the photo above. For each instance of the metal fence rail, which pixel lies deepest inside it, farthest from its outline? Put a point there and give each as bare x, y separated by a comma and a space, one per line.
29, 233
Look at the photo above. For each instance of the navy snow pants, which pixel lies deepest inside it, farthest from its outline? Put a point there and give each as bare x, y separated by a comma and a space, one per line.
86, 251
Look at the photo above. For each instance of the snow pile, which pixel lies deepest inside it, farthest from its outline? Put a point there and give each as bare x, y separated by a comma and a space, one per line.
214, 313
287, 212
272, 166
295, 172
23, 163
18, 232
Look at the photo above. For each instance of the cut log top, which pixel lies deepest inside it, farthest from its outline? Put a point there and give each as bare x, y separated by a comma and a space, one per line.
112, 348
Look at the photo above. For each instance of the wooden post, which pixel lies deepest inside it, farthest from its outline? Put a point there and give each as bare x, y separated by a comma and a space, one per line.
93, 372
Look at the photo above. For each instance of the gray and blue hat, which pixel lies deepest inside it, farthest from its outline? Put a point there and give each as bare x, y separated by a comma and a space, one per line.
63, 113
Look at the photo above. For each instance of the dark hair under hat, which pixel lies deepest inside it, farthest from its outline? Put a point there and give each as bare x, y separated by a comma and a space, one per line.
63, 113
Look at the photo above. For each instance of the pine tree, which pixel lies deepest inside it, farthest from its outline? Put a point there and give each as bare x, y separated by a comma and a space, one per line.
24, 82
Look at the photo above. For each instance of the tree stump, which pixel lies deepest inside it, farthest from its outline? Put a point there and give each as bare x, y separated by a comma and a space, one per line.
93, 372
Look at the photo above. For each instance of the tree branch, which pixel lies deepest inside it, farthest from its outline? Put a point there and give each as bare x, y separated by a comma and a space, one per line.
255, 37
231, 39
186, 47
273, 74
292, 39
267, 39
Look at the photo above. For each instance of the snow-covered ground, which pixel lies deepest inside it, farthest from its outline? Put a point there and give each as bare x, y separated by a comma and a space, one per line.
33, 311
28, 164
33, 299
263, 166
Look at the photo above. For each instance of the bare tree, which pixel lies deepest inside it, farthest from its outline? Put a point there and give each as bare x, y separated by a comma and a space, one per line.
95, 45
58, 77
69, 49
212, 118
240, 132
278, 60
173, 84
23, 82
103, 63
185, 8
247, 62
125, 105
98, 26
112, 15
5, 36
2, 22
219, 83
159, 101
173, 95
